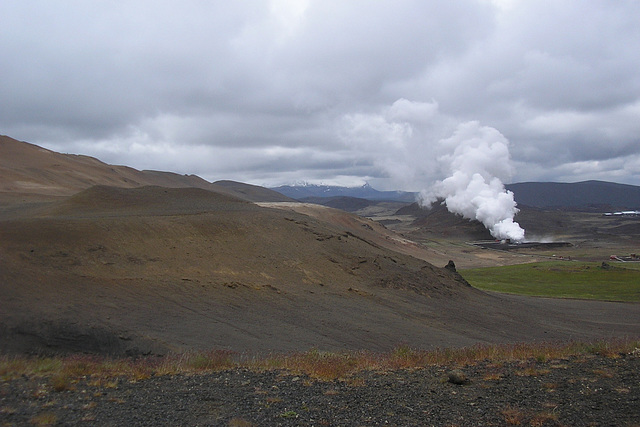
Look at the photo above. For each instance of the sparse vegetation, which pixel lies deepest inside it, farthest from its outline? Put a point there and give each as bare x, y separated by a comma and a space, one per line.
620, 282
44, 419
324, 387
320, 365
513, 416
239, 422
289, 414
61, 382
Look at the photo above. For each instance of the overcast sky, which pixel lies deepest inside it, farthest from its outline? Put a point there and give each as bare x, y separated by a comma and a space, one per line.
338, 92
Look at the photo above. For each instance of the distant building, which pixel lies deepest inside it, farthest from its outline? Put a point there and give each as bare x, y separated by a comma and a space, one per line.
622, 213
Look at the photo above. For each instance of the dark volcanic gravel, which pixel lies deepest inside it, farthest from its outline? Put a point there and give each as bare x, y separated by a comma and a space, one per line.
577, 391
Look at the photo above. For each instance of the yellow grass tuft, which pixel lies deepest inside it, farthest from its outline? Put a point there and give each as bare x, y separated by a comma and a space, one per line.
512, 416
239, 422
604, 373
61, 382
542, 418
44, 419
493, 376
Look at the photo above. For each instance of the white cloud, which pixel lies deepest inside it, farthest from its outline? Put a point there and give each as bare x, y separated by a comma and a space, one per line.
245, 81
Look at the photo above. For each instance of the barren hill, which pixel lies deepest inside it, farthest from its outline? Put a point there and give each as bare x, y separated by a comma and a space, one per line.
188, 267
29, 172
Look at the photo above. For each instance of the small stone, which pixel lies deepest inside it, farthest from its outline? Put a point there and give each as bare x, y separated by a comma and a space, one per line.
457, 377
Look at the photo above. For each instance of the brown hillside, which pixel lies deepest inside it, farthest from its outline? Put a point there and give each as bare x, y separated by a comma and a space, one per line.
27, 168
31, 173
187, 267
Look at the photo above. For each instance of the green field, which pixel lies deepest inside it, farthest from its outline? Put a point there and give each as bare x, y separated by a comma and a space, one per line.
619, 282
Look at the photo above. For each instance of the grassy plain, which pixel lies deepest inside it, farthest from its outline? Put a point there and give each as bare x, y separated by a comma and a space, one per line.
561, 279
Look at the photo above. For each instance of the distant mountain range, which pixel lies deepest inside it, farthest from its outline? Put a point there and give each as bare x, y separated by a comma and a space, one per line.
306, 191
584, 196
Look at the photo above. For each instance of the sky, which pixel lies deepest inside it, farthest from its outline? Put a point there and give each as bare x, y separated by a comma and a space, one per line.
334, 92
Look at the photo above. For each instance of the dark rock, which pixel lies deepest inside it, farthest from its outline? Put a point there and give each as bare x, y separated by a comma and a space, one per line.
451, 266
457, 377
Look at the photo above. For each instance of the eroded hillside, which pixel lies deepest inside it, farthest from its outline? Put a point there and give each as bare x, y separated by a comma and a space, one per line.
151, 259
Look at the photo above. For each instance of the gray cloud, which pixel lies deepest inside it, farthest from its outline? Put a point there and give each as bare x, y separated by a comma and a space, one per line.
280, 91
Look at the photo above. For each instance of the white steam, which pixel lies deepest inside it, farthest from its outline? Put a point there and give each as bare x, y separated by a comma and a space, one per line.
466, 164
476, 162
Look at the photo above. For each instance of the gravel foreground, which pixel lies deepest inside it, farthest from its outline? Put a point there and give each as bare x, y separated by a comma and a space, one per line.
589, 390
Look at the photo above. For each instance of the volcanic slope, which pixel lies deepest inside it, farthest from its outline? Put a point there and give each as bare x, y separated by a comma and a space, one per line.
153, 269
29, 173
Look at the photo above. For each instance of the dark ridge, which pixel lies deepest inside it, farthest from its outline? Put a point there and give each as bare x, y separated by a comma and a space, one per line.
437, 219
414, 209
591, 196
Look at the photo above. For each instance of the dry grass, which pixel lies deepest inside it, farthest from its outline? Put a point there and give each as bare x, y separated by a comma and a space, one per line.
44, 419
512, 416
61, 382
604, 373
532, 371
493, 376
320, 365
239, 422
328, 366
515, 416
542, 418
193, 361
63, 372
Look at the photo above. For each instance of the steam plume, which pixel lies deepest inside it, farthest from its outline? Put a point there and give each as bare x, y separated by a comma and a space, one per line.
466, 167
477, 160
